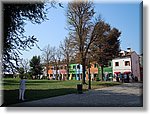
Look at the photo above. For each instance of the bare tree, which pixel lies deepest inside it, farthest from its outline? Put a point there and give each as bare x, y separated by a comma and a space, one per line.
67, 50
25, 65
82, 29
56, 58
47, 57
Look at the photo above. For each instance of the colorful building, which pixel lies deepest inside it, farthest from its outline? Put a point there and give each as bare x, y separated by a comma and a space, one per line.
95, 71
63, 72
108, 72
75, 71
58, 72
50, 72
127, 63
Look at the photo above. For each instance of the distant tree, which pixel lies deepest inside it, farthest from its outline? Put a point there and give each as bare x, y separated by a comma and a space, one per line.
47, 57
106, 46
67, 50
36, 66
56, 58
25, 64
20, 71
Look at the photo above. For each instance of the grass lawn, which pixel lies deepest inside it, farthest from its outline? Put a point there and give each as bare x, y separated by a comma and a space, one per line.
39, 89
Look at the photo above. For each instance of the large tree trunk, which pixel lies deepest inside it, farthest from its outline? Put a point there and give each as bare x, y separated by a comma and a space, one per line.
98, 77
68, 71
47, 68
67, 62
83, 71
102, 75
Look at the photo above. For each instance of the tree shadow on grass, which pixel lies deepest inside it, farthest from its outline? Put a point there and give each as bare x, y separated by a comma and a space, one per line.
11, 96
43, 81
30, 82
10, 81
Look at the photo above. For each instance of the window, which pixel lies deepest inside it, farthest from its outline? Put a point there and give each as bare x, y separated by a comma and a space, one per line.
52, 68
78, 66
61, 67
69, 67
65, 67
116, 63
74, 67
109, 64
127, 63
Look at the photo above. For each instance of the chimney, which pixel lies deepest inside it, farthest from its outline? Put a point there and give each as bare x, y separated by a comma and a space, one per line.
128, 49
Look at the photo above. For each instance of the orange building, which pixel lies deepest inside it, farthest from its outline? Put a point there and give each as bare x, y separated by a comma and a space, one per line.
93, 71
59, 72
50, 72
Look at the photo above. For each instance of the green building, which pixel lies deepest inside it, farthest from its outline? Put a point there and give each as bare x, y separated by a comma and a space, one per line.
107, 70
72, 71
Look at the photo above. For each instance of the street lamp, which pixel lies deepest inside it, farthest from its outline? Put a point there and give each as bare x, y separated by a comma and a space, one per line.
89, 66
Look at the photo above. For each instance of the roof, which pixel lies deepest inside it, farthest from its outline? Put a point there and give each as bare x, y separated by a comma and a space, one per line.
126, 55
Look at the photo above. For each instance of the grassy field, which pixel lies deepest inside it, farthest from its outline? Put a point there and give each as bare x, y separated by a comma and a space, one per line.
39, 89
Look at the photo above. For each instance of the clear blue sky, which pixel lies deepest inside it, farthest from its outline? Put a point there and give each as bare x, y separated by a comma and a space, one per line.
124, 16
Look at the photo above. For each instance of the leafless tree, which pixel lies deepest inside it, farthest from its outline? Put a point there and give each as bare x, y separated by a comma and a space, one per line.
47, 56
68, 51
81, 27
56, 59
24, 63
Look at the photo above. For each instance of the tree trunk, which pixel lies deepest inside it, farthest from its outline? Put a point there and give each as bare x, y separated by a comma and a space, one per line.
83, 71
98, 76
68, 71
47, 70
47, 76
102, 72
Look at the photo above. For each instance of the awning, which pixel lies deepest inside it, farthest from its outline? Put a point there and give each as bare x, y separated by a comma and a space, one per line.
127, 72
117, 72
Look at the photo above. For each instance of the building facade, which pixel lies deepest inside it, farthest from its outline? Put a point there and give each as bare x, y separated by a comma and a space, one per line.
75, 71
127, 63
95, 71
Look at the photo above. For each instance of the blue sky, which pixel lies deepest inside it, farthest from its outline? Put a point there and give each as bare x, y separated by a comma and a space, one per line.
124, 16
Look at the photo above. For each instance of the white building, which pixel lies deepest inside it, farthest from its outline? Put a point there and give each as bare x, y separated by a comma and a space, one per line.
128, 62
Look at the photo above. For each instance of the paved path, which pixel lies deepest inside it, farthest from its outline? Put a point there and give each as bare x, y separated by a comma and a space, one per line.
127, 94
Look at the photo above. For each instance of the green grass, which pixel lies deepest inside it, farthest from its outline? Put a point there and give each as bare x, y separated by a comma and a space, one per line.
39, 89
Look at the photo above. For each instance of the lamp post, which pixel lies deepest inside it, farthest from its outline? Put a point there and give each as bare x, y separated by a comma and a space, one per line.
89, 75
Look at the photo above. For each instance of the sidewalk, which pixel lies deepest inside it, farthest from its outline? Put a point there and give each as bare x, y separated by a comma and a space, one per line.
125, 95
